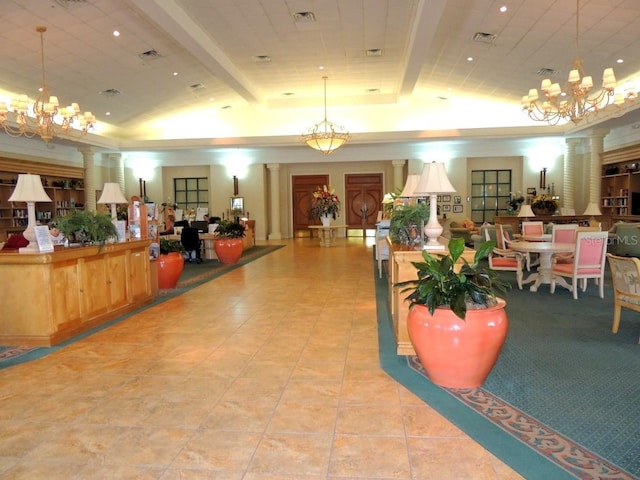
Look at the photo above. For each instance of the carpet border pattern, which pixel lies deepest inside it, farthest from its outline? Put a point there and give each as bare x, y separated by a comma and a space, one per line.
567, 454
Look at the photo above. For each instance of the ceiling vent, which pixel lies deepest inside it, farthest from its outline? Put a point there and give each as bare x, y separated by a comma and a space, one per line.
547, 72
261, 58
304, 17
196, 86
484, 37
69, 4
110, 92
150, 55
374, 52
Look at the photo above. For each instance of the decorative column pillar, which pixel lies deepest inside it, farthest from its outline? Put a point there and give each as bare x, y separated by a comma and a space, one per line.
568, 175
274, 204
118, 162
595, 171
398, 174
89, 178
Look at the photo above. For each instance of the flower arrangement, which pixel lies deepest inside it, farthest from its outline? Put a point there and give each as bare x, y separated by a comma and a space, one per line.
545, 204
325, 202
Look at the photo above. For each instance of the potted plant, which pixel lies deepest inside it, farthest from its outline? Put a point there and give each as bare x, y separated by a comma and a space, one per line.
406, 223
544, 204
325, 205
456, 323
82, 227
170, 263
228, 244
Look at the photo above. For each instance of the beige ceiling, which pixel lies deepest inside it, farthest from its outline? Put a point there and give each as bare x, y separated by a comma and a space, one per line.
420, 81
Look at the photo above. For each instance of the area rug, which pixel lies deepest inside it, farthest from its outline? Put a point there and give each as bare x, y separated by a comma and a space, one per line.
562, 401
192, 276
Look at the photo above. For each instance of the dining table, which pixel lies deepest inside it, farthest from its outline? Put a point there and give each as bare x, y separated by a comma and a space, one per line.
545, 250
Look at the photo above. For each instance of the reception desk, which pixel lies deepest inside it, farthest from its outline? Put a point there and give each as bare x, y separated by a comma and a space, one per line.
400, 270
51, 297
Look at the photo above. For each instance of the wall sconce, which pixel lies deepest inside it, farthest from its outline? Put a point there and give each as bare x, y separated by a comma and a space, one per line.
143, 189
543, 178
235, 186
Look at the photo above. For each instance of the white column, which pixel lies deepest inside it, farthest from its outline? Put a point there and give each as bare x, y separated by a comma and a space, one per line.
595, 164
398, 174
568, 178
89, 178
274, 204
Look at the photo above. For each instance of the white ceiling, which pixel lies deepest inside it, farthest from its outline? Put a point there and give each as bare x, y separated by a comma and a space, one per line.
421, 86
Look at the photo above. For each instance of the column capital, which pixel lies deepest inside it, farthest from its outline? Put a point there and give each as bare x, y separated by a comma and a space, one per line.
273, 166
398, 163
572, 142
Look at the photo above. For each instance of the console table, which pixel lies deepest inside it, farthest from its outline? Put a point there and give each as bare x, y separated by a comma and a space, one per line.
327, 234
50, 297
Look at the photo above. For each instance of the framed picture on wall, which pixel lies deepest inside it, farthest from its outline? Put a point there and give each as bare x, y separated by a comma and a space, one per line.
457, 209
446, 198
446, 208
457, 199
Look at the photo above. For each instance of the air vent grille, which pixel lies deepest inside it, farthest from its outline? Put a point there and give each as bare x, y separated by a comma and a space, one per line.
150, 55
374, 52
483, 37
196, 86
304, 17
547, 72
261, 58
110, 92
69, 4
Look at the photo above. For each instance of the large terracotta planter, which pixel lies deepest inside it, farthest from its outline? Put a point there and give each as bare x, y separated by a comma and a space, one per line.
458, 353
228, 250
170, 267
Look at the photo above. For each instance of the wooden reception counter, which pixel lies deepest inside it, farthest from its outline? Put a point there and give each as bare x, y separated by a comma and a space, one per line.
50, 297
401, 269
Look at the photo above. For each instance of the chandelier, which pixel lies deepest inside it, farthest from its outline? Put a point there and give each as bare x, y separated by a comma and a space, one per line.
574, 104
44, 117
326, 136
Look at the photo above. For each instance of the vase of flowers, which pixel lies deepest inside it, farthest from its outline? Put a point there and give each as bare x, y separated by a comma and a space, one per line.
544, 204
325, 205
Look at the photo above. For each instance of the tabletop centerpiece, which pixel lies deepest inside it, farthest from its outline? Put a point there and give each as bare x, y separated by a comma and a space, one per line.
544, 204
325, 205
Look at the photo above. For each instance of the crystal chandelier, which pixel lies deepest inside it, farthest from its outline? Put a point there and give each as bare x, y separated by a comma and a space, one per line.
44, 117
326, 136
574, 104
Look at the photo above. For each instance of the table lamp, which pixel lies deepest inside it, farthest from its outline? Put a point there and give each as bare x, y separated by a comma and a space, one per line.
525, 211
29, 189
111, 194
592, 209
410, 186
433, 181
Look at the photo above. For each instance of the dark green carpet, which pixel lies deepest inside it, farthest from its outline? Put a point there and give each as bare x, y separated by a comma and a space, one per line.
562, 401
192, 276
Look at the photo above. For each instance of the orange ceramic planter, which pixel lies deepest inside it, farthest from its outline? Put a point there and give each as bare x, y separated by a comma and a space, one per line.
228, 250
458, 353
170, 267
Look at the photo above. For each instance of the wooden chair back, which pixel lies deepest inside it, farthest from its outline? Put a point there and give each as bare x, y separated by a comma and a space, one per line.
625, 275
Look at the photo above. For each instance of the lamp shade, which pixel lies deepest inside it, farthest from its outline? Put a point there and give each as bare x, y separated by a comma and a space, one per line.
525, 211
111, 193
29, 189
410, 185
592, 209
433, 180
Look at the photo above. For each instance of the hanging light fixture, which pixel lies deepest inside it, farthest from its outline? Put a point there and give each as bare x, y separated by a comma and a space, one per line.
326, 136
574, 104
44, 117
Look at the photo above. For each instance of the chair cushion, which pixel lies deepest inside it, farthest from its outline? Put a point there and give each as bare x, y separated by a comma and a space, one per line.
504, 262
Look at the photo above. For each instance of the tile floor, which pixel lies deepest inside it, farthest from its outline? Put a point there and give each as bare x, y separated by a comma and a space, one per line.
270, 372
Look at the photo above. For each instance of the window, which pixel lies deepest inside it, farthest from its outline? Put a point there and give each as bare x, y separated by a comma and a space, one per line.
490, 192
191, 192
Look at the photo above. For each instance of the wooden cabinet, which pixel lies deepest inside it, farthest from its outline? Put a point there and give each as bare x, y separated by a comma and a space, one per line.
64, 185
401, 269
49, 298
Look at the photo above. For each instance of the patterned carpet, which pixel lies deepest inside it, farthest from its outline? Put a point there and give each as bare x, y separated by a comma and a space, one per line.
562, 400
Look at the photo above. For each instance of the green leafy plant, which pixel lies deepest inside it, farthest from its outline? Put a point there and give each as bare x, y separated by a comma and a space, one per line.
168, 246
406, 221
229, 229
438, 285
82, 226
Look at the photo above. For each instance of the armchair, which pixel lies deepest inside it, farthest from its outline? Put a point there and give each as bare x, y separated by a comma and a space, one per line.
479, 238
460, 230
625, 273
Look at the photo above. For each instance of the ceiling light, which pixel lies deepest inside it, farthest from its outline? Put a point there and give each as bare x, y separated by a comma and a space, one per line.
326, 136
44, 117
576, 105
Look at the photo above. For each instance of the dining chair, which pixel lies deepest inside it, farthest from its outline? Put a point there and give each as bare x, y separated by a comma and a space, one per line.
532, 228
625, 275
588, 262
503, 259
564, 233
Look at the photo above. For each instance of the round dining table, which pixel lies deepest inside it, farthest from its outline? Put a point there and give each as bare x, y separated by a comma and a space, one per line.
545, 250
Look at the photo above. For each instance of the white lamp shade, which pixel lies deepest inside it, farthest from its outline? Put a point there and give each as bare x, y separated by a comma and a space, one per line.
433, 180
410, 185
111, 193
29, 189
525, 211
592, 209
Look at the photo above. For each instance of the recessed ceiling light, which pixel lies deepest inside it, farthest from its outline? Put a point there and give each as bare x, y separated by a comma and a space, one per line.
620, 60
469, 59
175, 74
108, 113
503, 8
116, 33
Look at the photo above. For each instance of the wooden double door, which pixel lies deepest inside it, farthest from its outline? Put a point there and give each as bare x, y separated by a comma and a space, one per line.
359, 208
